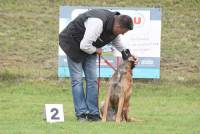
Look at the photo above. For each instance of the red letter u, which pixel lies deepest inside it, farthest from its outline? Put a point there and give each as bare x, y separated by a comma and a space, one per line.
137, 20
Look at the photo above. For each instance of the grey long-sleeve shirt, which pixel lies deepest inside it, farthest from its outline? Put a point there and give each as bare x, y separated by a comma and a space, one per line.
94, 28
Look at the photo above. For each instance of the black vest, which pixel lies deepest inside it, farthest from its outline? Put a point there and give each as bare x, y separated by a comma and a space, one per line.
71, 36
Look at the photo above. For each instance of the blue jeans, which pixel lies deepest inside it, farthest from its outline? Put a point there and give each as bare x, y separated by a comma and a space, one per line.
84, 102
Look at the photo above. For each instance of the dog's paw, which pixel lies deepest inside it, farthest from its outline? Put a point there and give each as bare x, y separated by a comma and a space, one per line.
132, 119
117, 121
103, 120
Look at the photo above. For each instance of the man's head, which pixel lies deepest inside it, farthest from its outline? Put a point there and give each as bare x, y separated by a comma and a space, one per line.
122, 24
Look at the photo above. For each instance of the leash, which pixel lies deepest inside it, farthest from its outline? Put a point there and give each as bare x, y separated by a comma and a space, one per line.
99, 77
108, 63
99, 80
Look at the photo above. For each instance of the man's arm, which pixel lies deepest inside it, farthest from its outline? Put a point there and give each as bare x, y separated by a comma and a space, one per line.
94, 28
117, 43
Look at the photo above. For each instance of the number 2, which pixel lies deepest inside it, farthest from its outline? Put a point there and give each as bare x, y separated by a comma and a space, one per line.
53, 117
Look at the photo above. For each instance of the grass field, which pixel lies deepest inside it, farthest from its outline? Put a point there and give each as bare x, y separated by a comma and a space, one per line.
164, 109
28, 71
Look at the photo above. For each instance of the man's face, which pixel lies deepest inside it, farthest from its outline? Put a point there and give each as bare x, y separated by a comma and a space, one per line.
117, 29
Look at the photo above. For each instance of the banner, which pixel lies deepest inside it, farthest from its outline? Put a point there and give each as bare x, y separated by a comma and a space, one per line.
143, 41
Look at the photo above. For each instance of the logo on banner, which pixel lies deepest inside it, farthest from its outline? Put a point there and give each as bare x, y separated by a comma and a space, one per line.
138, 20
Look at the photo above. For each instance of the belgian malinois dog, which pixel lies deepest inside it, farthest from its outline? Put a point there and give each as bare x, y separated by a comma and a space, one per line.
118, 92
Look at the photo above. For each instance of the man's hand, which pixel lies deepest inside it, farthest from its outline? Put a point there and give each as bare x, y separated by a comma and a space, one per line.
126, 54
99, 51
133, 58
136, 60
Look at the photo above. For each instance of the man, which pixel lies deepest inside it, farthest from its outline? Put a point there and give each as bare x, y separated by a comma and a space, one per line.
82, 40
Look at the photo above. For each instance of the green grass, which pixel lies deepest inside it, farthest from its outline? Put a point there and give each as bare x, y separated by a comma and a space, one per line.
29, 35
28, 71
164, 108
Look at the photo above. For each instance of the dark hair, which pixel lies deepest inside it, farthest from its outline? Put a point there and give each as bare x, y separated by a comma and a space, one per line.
125, 21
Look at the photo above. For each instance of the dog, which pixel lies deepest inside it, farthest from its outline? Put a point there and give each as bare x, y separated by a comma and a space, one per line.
118, 93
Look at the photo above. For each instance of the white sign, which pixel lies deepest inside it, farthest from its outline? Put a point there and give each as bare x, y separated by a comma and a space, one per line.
144, 41
54, 113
